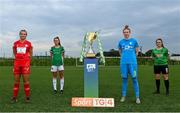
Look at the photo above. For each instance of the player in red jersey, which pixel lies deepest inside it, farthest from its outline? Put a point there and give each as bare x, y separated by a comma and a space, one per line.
22, 50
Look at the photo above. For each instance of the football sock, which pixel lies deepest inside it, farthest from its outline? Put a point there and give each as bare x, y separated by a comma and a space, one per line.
166, 82
62, 83
157, 85
27, 89
15, 89
55, 83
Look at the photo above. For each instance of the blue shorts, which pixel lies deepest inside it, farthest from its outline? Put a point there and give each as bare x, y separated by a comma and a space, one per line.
131, 69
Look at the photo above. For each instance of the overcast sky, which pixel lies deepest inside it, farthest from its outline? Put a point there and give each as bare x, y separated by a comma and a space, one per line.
71, 19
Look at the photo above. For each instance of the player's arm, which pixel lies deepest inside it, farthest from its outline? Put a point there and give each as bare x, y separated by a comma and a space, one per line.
63, 55
63, 52
14, 50
31, 52
51, 53
152, 55
137, 51
136, 48
119, 48
167, 54
119, 52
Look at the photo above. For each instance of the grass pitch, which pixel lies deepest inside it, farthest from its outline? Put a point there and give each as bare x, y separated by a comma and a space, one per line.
43, 99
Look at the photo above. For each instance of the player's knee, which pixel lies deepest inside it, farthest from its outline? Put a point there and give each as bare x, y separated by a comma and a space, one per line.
124, 80
26, 82
55, 74
134, 80
61, 76
157, 77
165, 77
134, 77
54, 77
124, 77
16, 82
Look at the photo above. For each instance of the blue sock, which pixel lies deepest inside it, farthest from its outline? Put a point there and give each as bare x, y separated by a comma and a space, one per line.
136, 87
124, 86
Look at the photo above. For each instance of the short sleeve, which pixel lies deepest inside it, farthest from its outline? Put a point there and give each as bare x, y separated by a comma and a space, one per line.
166, 52
63, 49
14, 46
152, 53
30, 45
51, 49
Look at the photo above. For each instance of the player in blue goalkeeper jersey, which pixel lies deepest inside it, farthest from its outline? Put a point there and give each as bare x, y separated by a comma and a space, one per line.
128, 49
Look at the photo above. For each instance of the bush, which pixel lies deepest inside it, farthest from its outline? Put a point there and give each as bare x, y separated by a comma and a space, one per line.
46, 61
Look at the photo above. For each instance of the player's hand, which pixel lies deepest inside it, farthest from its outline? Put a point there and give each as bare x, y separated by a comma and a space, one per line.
158, 55
137, 54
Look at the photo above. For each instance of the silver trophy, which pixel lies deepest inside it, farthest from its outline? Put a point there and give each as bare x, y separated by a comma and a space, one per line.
87, 47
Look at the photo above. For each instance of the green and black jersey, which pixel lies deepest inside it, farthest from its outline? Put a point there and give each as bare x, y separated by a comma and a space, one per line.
57, 58
160, 56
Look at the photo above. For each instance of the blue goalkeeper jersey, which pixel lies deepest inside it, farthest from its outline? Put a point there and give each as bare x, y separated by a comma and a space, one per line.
128, 50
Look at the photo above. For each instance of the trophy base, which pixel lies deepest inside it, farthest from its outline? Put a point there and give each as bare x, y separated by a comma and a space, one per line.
90, 55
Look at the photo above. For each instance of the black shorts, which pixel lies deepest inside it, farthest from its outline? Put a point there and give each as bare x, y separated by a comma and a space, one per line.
158, 69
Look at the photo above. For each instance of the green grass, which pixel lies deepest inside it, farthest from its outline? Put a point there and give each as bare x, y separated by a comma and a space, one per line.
42, 98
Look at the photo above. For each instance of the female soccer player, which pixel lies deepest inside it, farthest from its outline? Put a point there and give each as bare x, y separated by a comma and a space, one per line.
22, 50
160, 56
57, 56
128, 49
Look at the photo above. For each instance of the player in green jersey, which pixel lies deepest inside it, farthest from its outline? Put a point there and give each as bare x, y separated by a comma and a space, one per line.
57, 56
160, 57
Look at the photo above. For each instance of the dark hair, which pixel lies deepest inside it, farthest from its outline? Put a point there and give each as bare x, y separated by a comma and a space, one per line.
58, 39
126, 27
23, 30
161, 41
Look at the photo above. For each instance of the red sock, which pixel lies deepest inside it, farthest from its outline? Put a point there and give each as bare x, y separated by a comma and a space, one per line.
15, 89
27, 89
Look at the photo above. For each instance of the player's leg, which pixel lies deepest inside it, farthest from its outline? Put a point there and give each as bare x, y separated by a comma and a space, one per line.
166, 78
124, 74
166, 82
61, 74
16, 87
26, 87
54, 71
17, 77
157, 72
26, 75
134, 75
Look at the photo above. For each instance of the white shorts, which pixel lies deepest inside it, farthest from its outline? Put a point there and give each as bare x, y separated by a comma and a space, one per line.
57, 68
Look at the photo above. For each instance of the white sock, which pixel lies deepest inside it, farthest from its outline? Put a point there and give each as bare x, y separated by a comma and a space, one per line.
62, 83
55, 83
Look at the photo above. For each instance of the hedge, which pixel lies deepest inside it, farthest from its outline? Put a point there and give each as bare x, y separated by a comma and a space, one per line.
72, 62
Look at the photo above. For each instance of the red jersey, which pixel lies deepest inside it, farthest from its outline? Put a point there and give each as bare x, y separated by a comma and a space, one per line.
22, 52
